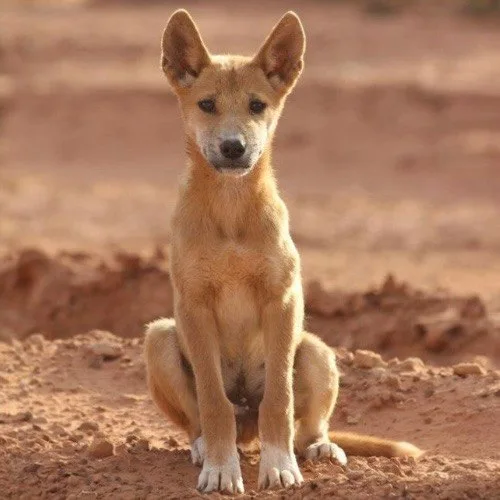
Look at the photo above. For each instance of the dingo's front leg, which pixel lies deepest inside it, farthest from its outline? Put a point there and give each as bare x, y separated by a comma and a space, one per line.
282, 324
221, 468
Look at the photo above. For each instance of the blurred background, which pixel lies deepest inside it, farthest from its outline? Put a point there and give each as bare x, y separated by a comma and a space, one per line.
388, 152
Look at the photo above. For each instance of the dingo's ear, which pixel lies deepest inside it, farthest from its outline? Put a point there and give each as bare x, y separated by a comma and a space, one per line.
183, 54
281, 57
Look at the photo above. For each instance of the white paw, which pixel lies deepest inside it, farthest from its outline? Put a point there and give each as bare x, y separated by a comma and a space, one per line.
225, 478
326, 449
278, 468
198, 451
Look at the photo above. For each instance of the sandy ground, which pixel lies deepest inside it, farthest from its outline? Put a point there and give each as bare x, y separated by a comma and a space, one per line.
388, 156
75, 428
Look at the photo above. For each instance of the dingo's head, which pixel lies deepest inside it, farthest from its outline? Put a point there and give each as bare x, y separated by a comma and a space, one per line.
231, 104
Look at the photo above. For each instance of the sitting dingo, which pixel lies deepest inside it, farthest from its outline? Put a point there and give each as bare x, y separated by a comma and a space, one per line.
236, 362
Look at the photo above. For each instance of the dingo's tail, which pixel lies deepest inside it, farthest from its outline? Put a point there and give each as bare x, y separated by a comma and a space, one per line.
370, 446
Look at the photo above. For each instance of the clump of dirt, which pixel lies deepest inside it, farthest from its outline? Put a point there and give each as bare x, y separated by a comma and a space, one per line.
70, 428
71, 293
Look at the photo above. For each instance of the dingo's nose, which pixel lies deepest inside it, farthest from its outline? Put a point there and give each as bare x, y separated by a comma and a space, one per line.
232, 149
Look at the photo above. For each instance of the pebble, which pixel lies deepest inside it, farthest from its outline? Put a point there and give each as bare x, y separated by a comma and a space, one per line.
88, 426
107, 351
101, 448
367, 359
464, 369
411, 365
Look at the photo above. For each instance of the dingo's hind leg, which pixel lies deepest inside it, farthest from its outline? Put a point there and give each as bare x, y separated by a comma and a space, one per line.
171, 381
316, 385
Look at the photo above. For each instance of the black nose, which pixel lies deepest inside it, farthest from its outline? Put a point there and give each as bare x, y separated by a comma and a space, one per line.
232, 149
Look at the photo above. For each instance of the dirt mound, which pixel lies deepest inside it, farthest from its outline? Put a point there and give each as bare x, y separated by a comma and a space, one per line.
72, 428
69, 294
75, 292
400, 321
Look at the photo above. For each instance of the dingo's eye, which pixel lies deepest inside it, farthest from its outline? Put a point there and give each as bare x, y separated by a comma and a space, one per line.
207, 105
257, 107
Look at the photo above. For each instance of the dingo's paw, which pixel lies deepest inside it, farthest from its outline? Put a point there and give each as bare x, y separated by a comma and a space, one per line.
325, 449
225, 477
278, 468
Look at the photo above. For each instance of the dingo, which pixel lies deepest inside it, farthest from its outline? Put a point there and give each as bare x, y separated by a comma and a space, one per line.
236, 363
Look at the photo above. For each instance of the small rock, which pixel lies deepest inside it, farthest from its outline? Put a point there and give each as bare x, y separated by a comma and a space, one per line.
464, 369
348, 358
101, 448
411, 365
106, 351
367, 359
58, 430
88, 426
